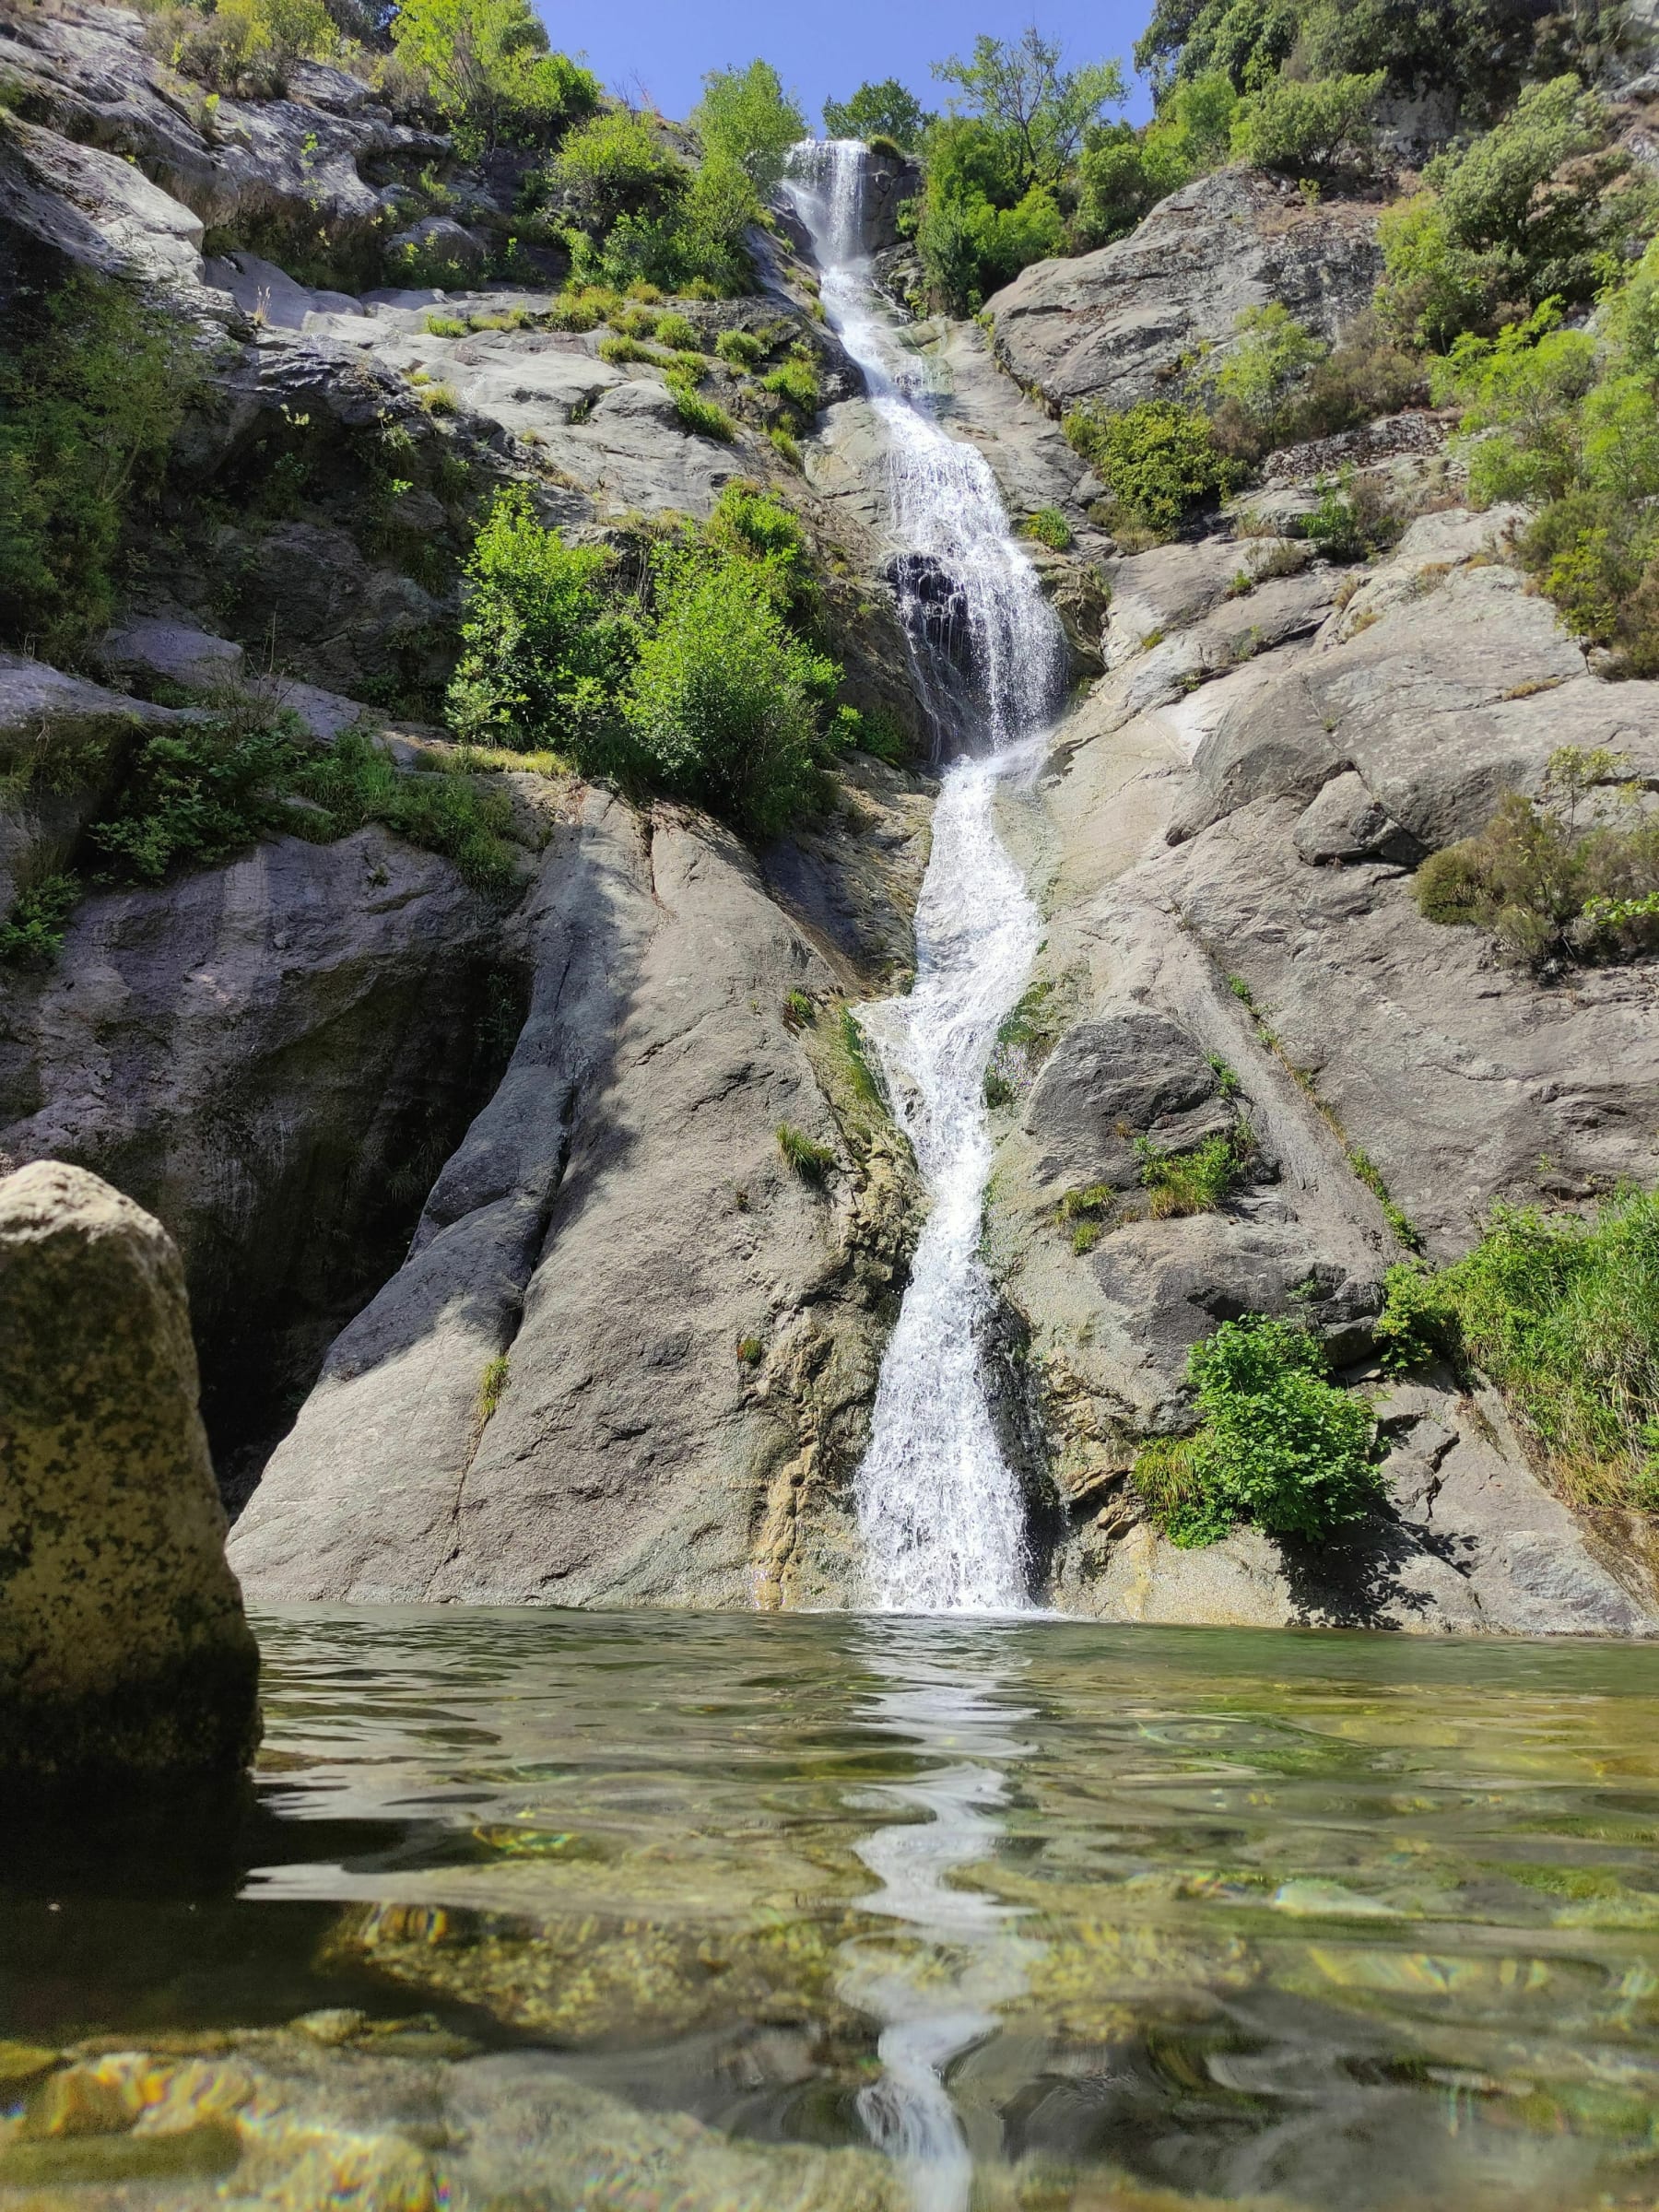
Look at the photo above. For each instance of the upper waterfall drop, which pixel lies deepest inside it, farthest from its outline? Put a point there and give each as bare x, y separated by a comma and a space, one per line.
939, 1508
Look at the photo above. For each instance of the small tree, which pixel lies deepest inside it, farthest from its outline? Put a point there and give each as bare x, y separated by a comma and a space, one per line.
491, 72
745, 115
1042, 110
1308, 129
885, 110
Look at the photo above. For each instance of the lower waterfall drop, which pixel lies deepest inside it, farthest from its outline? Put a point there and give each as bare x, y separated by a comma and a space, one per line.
939, 1508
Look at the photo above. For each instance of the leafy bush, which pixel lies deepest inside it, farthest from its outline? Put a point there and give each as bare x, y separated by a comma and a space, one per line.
739, 348
612, 165
723, 704
883, 110
679, 332
355, 783
94, 387
1196, 1182
1049, 527
242, 46
1352, 520
1122, 172
1281, 385
33, 931
196, 793
1537, 209
746, 116
705, 418
1157, 459
1308, 128
1543, 886
796, 381
489, 72
968, 247
544, 654
1277, 1445
1563, 1314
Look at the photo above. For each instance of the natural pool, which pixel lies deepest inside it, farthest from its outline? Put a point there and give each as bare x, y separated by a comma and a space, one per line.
1054, 1915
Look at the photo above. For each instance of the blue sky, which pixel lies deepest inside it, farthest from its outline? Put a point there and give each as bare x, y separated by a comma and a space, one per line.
819, 47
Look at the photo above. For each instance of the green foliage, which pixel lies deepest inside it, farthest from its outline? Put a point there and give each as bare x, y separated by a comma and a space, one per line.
996, 163
614, 166
704, 418
1563, 1314
680, 332
1281, 385
355, 783
492, 1383
1157, 459
739, 348
1537, 209
1037, 108
196, 793
812, 1162
94, 385
245, 47
1308, 128
746, 116
1196, 1182
1050, 528
1351, 520
1268, 368
885, 110
488, 72
722, 705
1277, 1445
544, 653
1478, 50
1122, 172
796, 381
33, 931
1546, 887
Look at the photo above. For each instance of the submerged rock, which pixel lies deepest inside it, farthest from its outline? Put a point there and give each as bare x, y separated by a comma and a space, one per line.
123, 1650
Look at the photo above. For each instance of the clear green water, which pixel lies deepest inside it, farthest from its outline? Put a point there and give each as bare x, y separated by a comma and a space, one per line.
1333, 1920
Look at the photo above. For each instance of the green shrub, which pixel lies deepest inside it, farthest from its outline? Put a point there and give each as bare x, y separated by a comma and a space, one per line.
246, 47
1562, 1313
492, 1383
1307, 127
33, 931
1547, 887
94, 385
489, 72
1538, 208
1196, 1182
810, 1161
1157, 459
196, 793
704, 418
544, 654
745, 115
1122, 172
1050, 528
612, 165
445, 326
1267, 372
355, 783
885, 110
796, 381
1277, 1445
723, 706
740, 347
799, 1009
679, 332
1351, 520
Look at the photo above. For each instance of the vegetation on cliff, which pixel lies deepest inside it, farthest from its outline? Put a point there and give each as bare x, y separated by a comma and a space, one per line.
1276, 1445
695, 674
1562, 1312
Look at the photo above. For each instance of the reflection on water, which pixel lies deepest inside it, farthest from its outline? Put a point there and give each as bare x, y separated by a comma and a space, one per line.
937, 1997
1054, 1914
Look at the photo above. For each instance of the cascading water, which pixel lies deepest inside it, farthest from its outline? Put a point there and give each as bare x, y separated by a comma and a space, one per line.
939, 1508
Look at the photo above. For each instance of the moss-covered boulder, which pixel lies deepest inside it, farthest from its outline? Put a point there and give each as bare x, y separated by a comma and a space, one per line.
124, 1649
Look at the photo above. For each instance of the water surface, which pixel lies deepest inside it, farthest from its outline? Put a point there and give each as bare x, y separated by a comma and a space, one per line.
1329, 1921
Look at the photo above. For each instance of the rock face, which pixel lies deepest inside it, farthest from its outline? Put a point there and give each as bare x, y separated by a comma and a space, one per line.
1120, 324
123, 1647
1223, 850
631, 1356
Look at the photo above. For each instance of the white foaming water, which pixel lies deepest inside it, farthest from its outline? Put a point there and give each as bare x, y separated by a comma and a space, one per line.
939, 1508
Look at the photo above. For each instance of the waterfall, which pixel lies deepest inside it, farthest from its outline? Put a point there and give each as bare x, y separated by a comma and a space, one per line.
939, 1508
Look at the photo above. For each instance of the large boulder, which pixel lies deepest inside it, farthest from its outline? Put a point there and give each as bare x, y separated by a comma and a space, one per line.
1122, 324
123, 1650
